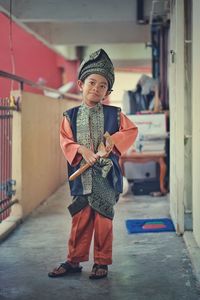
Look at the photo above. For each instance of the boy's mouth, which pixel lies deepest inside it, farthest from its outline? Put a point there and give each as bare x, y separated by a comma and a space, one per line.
94, 94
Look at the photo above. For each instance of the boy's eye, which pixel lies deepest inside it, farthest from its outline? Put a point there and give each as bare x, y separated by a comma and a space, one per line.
92, 83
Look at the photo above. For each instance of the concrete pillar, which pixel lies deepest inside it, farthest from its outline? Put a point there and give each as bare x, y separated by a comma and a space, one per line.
176, 65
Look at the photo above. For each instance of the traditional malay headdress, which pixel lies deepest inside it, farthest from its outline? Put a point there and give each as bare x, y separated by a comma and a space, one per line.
98, 63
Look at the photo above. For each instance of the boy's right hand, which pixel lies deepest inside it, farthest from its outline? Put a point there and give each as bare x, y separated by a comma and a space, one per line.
89, 156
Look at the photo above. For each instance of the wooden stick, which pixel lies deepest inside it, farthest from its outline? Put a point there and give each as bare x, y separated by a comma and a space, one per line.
79, 171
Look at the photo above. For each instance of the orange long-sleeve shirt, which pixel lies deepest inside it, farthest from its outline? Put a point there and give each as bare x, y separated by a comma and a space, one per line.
123, 139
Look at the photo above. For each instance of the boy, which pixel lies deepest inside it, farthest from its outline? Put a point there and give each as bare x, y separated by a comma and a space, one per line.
96, 190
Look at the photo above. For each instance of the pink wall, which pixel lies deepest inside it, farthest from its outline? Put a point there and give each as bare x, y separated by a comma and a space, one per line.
33, 60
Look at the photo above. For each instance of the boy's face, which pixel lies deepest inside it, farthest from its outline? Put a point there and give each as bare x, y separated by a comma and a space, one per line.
94, 89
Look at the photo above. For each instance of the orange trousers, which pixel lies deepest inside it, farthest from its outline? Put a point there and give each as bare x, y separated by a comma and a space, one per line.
84, 224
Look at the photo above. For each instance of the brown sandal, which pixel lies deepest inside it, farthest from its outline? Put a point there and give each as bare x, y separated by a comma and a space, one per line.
96, 268
64, 269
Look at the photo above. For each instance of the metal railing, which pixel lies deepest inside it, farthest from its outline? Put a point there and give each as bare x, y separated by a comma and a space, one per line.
6, 182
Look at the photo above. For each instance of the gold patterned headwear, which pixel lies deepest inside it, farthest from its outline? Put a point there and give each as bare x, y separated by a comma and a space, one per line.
97, 63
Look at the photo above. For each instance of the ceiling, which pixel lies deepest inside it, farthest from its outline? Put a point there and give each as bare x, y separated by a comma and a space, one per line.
66, 24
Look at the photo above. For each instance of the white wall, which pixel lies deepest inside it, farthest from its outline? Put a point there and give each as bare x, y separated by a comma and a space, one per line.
196, 120
123, 81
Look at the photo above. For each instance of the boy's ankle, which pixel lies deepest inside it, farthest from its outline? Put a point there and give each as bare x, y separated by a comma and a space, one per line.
73, 264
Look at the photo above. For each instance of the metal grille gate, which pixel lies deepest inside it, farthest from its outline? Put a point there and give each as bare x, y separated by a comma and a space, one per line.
6, 183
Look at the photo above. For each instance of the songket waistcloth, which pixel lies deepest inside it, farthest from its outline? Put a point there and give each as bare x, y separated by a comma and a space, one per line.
84, 224
102, 199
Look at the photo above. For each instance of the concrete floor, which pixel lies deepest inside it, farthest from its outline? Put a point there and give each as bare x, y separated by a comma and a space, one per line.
151, 266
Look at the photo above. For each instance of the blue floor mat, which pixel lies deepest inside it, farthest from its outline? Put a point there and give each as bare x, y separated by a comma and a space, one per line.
149, 225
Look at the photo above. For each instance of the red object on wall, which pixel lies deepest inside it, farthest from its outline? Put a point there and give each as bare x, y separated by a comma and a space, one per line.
33, 60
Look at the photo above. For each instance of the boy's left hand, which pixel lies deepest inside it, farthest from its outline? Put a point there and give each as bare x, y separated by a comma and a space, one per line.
108, 143
109, 148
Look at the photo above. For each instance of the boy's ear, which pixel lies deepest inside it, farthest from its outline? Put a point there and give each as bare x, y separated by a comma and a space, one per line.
109, 92
80, 85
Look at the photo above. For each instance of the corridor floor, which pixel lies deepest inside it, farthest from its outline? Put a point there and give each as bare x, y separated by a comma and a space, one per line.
151, 266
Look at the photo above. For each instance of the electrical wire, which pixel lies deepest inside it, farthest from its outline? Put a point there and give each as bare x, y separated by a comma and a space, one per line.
12, 56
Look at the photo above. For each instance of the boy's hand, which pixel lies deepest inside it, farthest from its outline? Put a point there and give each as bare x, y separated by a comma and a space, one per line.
89, 156
109, 148
109, 143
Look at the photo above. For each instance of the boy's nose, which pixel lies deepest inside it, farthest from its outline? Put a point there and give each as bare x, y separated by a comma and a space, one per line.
95, 87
